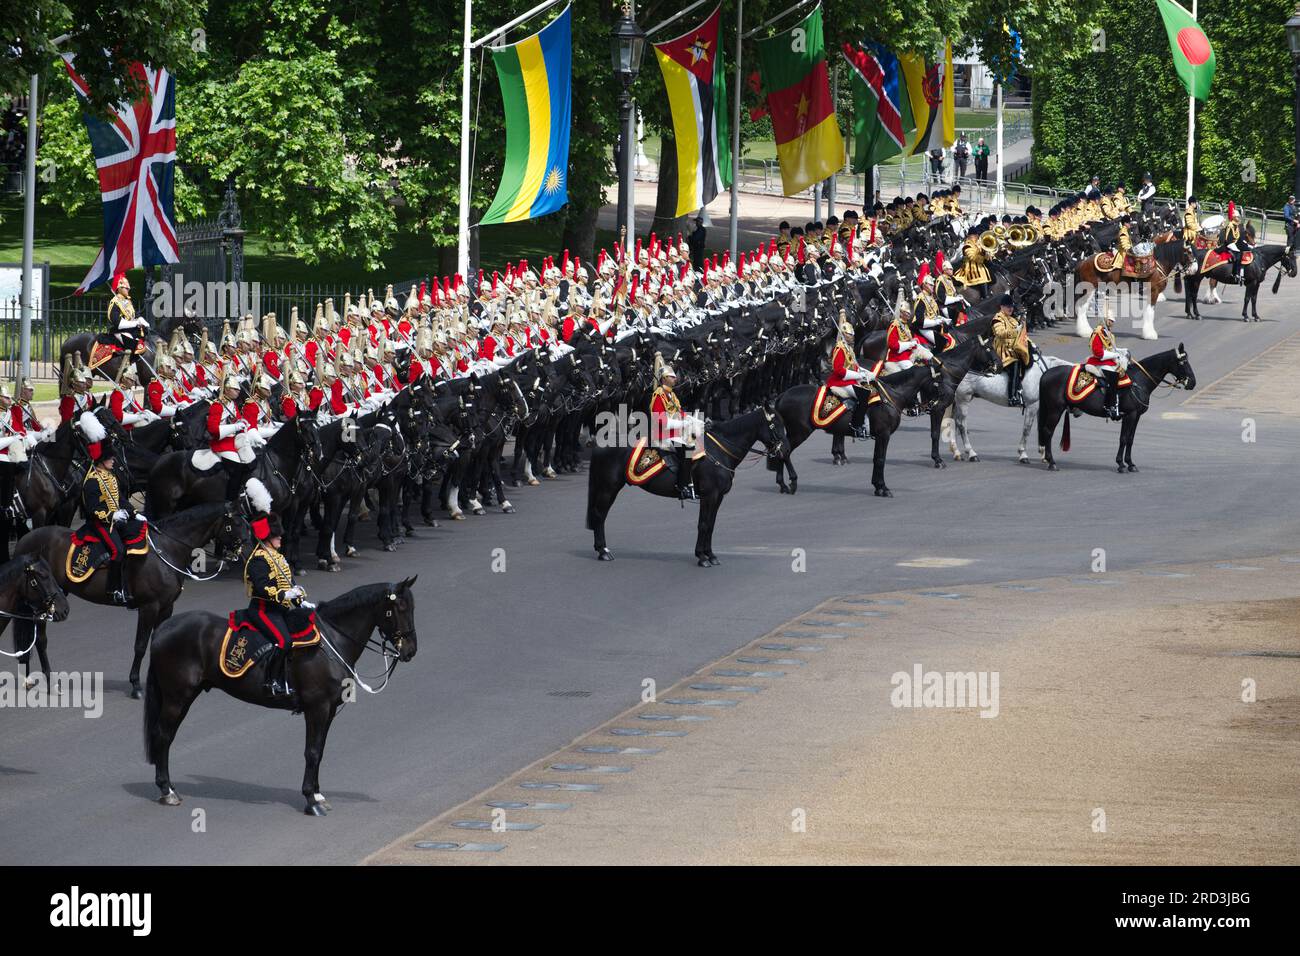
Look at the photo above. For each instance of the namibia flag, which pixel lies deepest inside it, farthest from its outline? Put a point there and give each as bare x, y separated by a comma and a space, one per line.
537, 92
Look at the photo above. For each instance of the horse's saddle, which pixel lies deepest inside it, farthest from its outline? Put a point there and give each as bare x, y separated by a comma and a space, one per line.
827, 407
644, 462
246, 643
204, 459
88, 552
1214, 259
1135, 266
1083, 383
104, 348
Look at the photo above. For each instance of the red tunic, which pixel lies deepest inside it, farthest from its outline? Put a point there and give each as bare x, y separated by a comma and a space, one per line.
118, 405
288, 407
315, 397
900, 349
220, 414
841, 361
1099, 346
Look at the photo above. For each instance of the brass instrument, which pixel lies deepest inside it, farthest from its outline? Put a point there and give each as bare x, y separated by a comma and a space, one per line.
989, 242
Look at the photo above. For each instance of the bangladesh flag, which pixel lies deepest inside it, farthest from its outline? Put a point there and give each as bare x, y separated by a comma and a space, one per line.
808, 141
1193, 55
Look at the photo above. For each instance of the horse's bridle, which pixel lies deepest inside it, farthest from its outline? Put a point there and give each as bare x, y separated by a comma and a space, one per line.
393, 637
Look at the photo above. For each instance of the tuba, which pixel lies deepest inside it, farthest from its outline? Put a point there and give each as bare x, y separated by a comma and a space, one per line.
989, 242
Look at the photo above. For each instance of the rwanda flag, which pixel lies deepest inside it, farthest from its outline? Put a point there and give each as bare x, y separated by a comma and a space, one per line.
537, 92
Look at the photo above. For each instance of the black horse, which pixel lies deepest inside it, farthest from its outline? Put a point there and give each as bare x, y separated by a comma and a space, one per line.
185, 661
29, 593
1135, 399
1252, 276
725, 446
155, 579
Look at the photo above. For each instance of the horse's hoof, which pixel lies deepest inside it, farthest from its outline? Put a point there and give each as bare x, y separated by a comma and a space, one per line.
1120, 469
390, 547
1132, 468
136, 692
604, 554
322, 802
323, 565
939, 464
170, 799
793, 487
713, 561
351, 552
702, 562
507, 508
783, 489
1051, 466
479, 511
458, 516
314, 810
973, 458
1022, 460
336, 566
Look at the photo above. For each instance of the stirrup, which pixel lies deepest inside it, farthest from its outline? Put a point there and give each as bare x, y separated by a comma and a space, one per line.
687, 492
861, 432
120, 598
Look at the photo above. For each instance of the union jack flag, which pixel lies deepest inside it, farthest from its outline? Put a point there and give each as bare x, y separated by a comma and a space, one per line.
135, 155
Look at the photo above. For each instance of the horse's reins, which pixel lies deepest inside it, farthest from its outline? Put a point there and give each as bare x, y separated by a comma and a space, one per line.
149, 528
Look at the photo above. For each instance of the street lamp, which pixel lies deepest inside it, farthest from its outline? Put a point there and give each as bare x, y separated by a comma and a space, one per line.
1293, 40
627, 46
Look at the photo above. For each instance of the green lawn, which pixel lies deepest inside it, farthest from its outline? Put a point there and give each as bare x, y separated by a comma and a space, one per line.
70, 244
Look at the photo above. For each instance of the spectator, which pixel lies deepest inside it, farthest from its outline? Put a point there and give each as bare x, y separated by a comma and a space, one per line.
1289, 213
936, 165
961, 156
982, 161
696, 243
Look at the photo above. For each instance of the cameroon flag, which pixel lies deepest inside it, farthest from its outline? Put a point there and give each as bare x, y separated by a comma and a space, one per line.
697, 97
1193, 55
793, 67
537, 93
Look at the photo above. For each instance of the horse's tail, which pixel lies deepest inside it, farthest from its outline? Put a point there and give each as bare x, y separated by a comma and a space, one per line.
152, 712
1277, 282
1065, 431
1178, 282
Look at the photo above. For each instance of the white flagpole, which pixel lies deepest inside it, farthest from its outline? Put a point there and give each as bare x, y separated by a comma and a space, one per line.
734, 232
1000, 197
462, 252
1191, 126
29, 235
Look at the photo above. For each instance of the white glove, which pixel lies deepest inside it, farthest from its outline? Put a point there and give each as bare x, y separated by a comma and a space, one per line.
168, 411
30, 440
225, 431
294, 593
131, 418
921, 352
120, 515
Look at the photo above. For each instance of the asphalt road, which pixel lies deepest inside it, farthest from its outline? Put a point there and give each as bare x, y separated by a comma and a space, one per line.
480, 699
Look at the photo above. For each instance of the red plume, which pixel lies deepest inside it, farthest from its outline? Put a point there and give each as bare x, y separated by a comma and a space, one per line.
938, 262
924, 273
600, 260
564, 267
803, 255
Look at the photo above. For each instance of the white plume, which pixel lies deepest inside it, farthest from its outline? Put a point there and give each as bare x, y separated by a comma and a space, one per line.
258, 495
91, 428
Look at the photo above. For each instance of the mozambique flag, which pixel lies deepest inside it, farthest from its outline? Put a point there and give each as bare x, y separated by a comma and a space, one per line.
697, 96
537, 93
882, 115
808, 141
1193, 55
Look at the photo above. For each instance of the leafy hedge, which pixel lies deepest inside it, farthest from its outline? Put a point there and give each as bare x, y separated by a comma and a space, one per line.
1120, 111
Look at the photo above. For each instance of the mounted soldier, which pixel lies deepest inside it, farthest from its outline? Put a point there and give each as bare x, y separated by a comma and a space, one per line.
1011, 342
225, 438
670, 427
276, 605
109, 518
1233, 240
124, 329
1107, 361
846, 376
1191, 225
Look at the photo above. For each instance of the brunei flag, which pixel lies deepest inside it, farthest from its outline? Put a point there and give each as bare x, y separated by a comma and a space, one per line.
697, 97
537, 92
808, 141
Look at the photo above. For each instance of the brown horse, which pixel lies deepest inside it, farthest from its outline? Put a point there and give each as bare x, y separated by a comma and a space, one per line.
1169, 259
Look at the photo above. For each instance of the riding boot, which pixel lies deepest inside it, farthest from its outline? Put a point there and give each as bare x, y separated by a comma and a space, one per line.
116, 588
236, 475
277, 674
1015, 397
1236, 266
858, 420
685, 490
1110, 380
